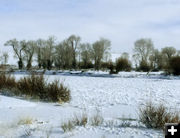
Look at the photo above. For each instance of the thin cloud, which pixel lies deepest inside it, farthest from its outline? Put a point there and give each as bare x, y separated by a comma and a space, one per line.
121, 21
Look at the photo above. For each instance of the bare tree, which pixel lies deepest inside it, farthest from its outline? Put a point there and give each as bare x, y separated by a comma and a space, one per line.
156, 60
51, 43
136, 59
29, 51
99, 51
40, 43
59, 57
63, 55
143, 48
46, 52
73, 42
85, 52
168, 52
18, 47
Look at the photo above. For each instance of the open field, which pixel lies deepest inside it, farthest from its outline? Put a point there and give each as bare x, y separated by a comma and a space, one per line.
117, 98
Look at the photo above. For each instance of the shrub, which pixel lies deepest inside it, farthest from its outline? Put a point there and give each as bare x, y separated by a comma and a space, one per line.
104, 65
156, 116
174, 65
111, 67
7, 81
36, 86
58, 92
87, 65
123, 64
144, 66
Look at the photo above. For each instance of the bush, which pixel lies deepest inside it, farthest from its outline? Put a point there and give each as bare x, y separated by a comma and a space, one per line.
123, 64
144, 66
86, 65
36, 86
58, 92
7, 81
174, 65
111, 67
156, 116
104, 65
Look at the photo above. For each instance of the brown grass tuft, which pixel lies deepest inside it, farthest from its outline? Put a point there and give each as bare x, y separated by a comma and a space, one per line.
156, 116
80, 120
7, 81
96, 120
67, 126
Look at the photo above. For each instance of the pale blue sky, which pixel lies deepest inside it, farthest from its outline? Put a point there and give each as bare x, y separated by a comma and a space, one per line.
121, 21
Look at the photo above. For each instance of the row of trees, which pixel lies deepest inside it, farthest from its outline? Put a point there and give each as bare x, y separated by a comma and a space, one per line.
71, 53
68, 54
147, 58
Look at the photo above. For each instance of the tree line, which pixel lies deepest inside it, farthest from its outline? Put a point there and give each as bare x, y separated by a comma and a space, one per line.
148, 58
71, 53
68, 54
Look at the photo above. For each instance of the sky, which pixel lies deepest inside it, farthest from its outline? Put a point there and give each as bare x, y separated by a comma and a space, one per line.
121, 21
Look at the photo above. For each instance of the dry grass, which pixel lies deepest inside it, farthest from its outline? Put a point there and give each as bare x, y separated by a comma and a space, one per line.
156, 116
7, 81
25, 121
67, 126
33, 85
96, 120
58, 92
80, 120
36, 86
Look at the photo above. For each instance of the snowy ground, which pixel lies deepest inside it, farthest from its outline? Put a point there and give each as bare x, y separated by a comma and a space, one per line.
115, 97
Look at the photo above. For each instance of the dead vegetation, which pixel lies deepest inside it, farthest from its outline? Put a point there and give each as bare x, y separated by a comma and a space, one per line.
35, 86
155, 116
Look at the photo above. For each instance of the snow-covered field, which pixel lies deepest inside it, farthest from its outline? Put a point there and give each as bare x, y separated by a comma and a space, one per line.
115, 97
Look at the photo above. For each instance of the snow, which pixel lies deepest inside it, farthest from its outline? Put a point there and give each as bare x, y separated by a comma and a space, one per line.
113, 96
7, 102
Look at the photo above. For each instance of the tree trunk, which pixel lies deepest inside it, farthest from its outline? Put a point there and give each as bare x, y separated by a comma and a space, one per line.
20, 63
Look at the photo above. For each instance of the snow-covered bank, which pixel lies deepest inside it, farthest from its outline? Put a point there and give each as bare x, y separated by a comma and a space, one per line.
48, 117
114, 97
92, 73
